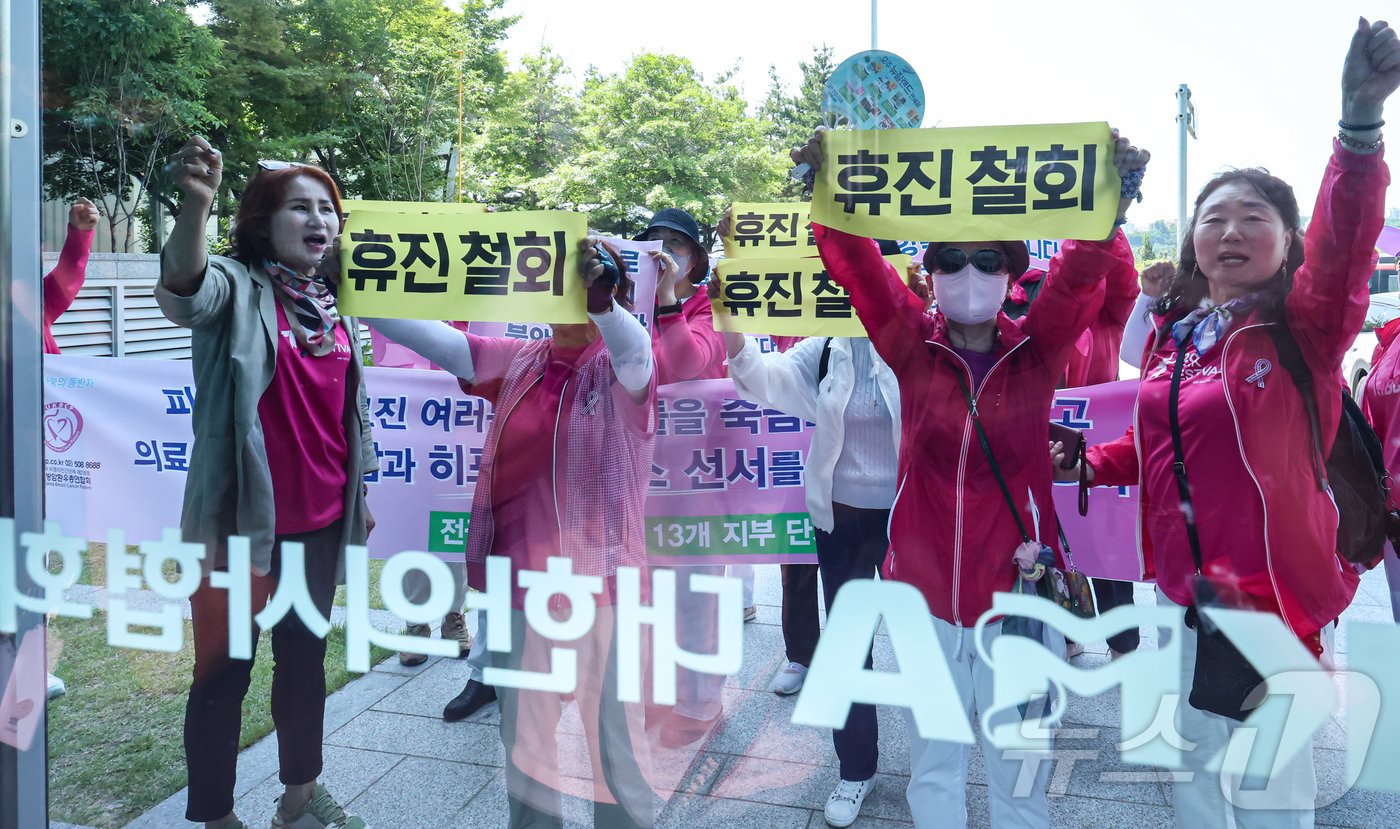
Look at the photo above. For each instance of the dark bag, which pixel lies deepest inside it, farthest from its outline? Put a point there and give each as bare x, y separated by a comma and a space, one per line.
1355, 470
1067, 588
1223, 680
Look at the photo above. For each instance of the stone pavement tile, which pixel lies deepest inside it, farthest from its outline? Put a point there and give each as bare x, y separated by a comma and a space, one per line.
695, 811
894, 747
1368, 592
489, 809
421, 793
463, 742
357, 695
1361, 613
1079, 812
1093, 767
1356, 807
759, 724
426, 692
768, 585
764, 656
805, 786
894, 741
347, 773
818, 821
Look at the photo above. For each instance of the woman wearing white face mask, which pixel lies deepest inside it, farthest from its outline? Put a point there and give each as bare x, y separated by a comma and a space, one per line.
965, 371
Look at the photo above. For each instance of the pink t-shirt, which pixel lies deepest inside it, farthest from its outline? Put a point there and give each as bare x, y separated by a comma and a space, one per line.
302, 413
1229, 512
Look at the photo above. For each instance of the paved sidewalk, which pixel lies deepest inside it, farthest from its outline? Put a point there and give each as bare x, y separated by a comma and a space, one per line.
391, 759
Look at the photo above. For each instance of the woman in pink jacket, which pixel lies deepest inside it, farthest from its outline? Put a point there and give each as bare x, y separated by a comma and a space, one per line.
591, 391
1266, 530
952, 534
62, 284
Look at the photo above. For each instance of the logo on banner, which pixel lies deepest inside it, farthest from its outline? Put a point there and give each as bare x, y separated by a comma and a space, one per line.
62, 425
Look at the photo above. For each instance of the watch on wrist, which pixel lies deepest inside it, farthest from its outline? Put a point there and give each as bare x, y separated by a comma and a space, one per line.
674, 308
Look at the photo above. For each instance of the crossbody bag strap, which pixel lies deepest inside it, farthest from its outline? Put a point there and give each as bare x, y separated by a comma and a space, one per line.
1183, 486
991, 459
1292, 358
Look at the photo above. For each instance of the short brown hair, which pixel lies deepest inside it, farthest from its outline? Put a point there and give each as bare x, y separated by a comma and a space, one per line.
263, 197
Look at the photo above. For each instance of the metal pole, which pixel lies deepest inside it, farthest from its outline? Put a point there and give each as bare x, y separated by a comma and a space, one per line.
460, 57
23, 774
1183, 114
874, 20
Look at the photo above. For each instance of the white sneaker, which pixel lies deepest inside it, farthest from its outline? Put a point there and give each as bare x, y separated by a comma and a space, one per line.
843, 807
56, 687
790, 680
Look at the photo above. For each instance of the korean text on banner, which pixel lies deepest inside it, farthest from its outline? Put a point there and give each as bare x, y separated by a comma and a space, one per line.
641, 266
417, 208
492, 267
727, 480
787, 297
1053, 181
769, 230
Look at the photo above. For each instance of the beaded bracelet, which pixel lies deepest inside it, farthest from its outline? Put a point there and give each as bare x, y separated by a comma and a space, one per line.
1361, 127
1347, 141
1132, 184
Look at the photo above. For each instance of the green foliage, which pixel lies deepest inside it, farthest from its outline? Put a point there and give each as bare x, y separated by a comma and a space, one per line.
123, 84
387, 72
790, 119
532, 130
656, 135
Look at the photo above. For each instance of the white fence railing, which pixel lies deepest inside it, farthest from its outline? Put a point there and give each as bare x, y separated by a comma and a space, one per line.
115, 314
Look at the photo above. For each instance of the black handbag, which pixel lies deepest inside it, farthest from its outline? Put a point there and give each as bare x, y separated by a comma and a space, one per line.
1223, 680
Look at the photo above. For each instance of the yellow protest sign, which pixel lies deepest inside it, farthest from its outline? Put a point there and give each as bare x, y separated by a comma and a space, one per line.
489, 267
779, 229
1052, 181
786, 297
417, 207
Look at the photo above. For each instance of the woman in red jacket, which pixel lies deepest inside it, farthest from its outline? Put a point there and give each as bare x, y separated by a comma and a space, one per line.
951, 534
1265, 527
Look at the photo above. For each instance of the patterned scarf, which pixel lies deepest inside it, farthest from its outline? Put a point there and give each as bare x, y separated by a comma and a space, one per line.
309, 300
1209, 322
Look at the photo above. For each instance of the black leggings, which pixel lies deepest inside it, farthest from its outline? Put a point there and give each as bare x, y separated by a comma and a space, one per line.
214, 712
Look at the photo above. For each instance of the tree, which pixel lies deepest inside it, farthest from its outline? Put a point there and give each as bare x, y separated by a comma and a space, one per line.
531, 130
655, 135
1148, 252
123, 84
790, 119
388, 72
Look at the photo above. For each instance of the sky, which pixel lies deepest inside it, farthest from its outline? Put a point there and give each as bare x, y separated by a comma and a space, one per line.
1264, 76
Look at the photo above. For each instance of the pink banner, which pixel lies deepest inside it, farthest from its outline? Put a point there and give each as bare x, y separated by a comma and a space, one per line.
1105, 541
727, 484
727, 481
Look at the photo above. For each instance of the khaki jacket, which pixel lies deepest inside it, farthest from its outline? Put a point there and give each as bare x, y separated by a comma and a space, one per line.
233, 317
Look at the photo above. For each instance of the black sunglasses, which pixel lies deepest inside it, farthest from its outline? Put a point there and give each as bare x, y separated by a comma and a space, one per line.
986, 260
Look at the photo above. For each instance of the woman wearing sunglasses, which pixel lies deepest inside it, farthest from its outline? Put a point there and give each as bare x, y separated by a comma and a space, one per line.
1223, 437
952, 534
281, 445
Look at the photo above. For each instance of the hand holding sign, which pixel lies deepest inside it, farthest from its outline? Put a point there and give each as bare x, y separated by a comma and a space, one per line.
870, 90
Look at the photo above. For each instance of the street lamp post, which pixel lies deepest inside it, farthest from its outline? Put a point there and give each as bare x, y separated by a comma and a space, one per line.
1186, 124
